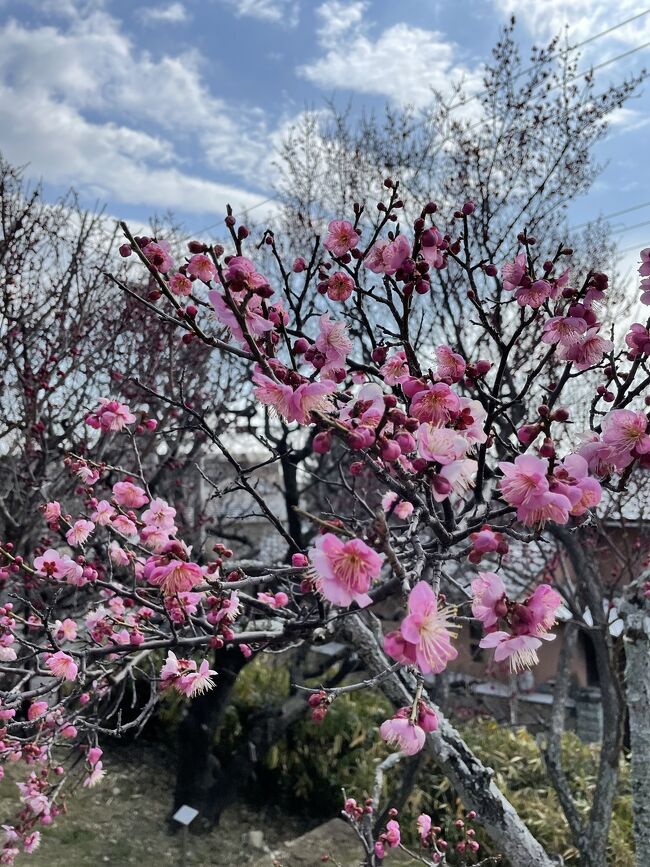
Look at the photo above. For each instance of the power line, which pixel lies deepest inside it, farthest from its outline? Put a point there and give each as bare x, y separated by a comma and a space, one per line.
584, 74
629, 249
630, 228
609, 216
220, 221
561, 53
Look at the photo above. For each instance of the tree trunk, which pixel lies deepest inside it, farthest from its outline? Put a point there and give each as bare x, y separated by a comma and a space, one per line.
637, 684
197, 766
467, 774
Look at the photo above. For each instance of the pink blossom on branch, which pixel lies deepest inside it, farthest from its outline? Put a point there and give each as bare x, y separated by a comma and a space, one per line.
185, 677
519, 650
341, 237
62, 665
489, 599
111, 415
345, 570
429, 629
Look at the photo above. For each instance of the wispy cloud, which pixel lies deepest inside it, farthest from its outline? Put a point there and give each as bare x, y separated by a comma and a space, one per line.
284, 12
173, 13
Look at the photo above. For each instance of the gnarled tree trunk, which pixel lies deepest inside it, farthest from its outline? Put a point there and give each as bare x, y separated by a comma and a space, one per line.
468, 775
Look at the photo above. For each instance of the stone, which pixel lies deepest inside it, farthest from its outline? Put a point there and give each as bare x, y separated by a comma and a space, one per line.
256, 840
335, 838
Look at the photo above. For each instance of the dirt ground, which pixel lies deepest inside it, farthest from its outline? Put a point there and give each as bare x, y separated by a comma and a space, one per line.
122, 821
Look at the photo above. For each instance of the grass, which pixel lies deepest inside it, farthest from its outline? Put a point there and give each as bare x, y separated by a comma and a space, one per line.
122, 821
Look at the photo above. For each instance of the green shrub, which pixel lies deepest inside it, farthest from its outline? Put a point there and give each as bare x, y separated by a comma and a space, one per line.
308, 768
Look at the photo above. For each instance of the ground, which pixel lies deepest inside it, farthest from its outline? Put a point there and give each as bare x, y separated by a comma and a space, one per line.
122, 821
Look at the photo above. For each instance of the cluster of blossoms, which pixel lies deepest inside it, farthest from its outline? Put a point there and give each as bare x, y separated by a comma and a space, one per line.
434, 841
185, 677
437, 846
528, 622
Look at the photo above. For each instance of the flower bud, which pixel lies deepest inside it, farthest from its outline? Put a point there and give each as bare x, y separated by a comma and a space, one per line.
322, 443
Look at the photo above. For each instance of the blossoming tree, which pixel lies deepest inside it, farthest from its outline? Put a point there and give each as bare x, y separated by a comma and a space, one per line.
445, 459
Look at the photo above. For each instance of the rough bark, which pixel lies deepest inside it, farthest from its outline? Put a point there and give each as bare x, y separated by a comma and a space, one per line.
468, 775
637, 683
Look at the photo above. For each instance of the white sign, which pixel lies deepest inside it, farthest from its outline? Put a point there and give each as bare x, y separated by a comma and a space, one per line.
184, 815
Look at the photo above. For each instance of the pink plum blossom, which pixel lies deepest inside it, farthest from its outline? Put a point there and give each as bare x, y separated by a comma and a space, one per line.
103, 513
645, 291
256, 321
201, 266
563, 329
402, 508
124, 525
451, 366
403, 733
521, 650
625, 435
180, 285
111, 415
333, 341
158, 254
440, 444
587, 350
65, 630
52, 512
184, 676
341, 237
526, 486
543, 606
345, 570
79, 532
159, 514
385, 257
488, 602
60, 567
534, 295
486, 541
571, 478
399, 649
62, 665
512, 272
395, 368
129, 495
429, 629
435, 404
638, 339
174, 576
340, 286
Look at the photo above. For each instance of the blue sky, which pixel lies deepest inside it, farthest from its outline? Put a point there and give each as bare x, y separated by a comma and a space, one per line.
181, 104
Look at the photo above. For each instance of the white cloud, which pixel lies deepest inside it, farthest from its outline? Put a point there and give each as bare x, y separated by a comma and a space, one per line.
403, 63
583, 18
174, 13
284, 12
624, 119
337, 16
83, 106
